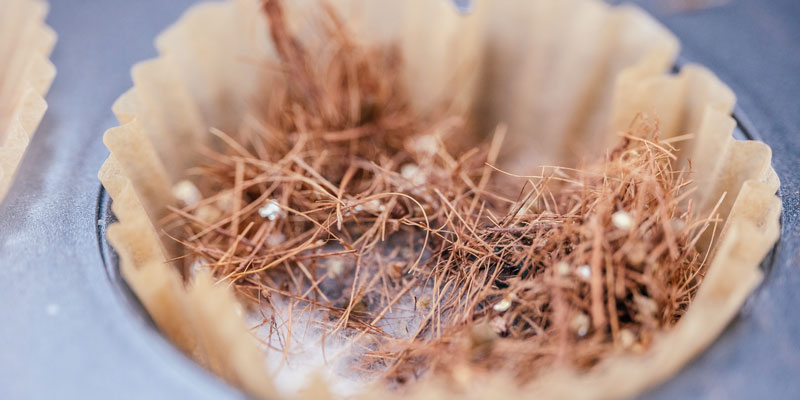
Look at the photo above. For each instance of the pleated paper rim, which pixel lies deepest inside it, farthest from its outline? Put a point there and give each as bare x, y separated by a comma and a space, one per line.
37, 76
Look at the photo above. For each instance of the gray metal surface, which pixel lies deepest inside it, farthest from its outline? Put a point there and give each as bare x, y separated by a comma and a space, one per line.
64, 331
68, 330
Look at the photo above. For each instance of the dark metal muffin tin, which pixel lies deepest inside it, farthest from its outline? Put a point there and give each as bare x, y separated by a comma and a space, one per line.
70, 328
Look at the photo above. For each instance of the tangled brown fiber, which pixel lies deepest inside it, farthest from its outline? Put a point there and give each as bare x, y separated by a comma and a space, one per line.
590, 262
341, 199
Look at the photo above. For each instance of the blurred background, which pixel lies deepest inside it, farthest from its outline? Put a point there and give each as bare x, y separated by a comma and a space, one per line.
70, 329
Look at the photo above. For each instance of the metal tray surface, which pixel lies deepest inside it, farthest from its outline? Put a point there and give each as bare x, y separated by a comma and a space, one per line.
70, 328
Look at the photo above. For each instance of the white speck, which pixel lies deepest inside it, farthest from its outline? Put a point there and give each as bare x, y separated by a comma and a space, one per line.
52, 309
187, 192
197, 267
580, 324
646, 305
584, 271
208, 214
374, 206
359, 208
502, 305
225, 200
335, 267
413, 174
622, 220
275, 239
271, 210
627, 338
562, 268
426, 144
409, 170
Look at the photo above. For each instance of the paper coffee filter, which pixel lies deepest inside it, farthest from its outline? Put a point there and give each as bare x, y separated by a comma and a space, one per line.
565, 76
25, 77
552, 68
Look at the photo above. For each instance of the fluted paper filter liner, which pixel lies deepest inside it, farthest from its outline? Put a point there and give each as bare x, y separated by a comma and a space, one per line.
25, 77
565, 76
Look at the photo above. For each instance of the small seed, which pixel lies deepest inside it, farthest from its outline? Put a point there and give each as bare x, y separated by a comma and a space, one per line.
622, 220
647, 306
335, 267
187, 193
502, 305
627, 338
425, 144
562, 268
584, 271
580, 324
413, 174
274, 239
271, 211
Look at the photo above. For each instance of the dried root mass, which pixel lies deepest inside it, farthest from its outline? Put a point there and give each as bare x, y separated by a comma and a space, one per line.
339, 199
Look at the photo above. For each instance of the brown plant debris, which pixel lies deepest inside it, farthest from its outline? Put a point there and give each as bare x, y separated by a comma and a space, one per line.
341, 200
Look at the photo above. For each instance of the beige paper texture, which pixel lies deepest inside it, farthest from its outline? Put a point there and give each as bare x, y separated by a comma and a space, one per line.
565, 75
25, 77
